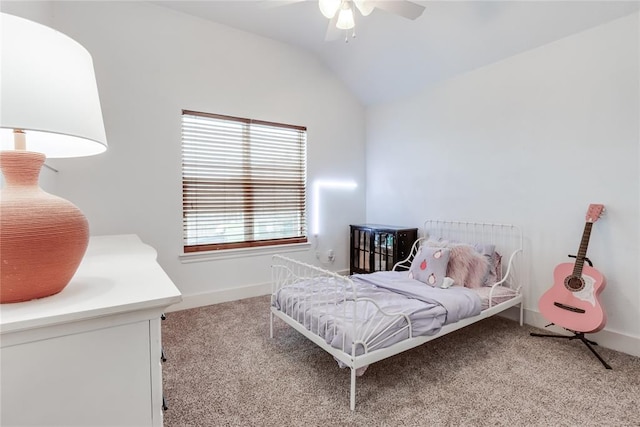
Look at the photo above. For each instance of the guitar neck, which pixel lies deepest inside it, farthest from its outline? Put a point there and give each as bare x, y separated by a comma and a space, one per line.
582, 250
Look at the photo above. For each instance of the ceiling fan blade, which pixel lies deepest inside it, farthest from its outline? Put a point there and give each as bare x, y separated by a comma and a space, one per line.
365, 6
403, 8
333, 33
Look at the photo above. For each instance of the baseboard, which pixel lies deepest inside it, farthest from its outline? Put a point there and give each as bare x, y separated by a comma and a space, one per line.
610, 339
220, 296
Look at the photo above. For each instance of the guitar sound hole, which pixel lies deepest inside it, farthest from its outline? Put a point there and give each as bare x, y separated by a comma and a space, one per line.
574, 283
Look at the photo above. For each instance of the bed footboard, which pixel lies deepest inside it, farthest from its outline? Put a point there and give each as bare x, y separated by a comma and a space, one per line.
329, 307
324, 307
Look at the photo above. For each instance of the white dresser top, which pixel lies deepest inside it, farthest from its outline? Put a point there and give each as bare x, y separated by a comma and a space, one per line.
118, 274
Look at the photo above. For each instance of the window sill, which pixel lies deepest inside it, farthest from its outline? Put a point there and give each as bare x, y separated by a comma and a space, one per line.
187, 258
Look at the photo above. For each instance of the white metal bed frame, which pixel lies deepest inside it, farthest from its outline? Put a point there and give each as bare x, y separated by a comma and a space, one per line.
286, 272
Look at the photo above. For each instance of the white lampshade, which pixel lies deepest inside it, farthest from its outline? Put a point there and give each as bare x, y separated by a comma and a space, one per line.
48, 89
345, 19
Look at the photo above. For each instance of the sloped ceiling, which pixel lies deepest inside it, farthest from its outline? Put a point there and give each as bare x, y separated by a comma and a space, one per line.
392, 56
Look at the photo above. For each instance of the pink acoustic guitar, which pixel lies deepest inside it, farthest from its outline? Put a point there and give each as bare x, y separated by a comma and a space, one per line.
572, 302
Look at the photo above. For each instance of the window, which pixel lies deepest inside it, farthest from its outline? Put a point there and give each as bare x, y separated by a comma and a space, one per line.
243, 182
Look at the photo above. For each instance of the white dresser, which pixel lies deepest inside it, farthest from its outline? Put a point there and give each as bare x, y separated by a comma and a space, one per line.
89, 355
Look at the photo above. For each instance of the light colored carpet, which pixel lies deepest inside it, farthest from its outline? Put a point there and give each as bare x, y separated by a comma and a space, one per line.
224, 370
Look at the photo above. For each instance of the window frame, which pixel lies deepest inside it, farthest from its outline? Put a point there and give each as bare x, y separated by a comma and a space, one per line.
249, 193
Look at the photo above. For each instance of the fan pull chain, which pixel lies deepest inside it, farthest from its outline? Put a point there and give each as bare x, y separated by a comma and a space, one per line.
346, 35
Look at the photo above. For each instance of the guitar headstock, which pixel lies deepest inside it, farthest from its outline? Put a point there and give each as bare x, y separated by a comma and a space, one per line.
594, 212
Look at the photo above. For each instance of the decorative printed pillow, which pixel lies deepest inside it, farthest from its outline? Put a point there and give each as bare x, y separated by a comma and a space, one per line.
495, 270
488, 250
430, 265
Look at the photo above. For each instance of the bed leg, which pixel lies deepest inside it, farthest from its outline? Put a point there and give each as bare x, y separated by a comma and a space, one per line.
353, 389
271, 324
521, 313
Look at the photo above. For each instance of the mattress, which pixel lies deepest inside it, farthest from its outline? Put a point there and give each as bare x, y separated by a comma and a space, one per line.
343, 316
500, 294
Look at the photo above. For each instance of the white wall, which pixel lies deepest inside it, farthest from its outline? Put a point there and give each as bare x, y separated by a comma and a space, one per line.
151, 63
531, 140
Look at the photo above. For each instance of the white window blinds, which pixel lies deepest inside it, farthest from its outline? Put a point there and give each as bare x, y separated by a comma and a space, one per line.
243, 182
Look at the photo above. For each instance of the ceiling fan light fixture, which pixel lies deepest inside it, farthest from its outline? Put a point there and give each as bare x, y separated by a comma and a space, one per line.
365, 6
329, 8
345, 18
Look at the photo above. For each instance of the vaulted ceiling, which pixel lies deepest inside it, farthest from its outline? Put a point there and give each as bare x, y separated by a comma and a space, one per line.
392, 56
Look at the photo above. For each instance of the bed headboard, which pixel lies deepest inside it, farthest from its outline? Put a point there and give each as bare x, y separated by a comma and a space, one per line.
507, 239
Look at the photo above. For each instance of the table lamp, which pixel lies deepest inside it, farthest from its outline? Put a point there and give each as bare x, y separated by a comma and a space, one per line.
49, 106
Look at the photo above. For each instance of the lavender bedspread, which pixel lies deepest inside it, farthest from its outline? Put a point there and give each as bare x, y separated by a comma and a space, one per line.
458, 302
322, 308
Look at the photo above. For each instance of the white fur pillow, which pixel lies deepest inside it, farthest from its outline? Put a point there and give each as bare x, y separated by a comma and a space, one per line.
467, 267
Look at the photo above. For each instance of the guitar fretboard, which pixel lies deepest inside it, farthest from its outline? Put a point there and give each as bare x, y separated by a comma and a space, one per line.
582, 250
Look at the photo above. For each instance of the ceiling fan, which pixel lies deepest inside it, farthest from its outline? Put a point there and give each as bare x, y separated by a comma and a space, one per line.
341, 12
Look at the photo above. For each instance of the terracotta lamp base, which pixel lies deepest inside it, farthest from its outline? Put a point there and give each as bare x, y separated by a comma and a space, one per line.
42, 237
